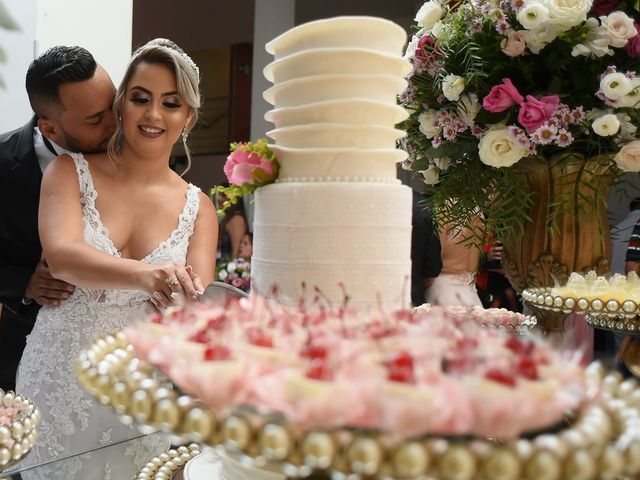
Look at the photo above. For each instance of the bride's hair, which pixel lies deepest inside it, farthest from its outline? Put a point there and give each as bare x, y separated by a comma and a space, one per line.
164, 52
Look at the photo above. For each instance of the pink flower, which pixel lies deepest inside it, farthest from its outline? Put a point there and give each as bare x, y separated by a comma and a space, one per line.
501, 97
247, 167
633, 45
237, 282
534, 112
514, 44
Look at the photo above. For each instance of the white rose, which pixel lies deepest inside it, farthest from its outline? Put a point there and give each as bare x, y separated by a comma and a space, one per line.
431, 175
428, 125
222, 274
438, 31
619, 27
533, 15
538, 38
615, 85
628, 158
606, 125
631, 99
567, 13
468, 108
412, 47
499, 149
429, 14
231, 266
452, 87
442, 163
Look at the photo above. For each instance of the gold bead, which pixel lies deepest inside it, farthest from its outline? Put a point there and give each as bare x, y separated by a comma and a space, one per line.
182, 449
319, 450
410, 460
275, 442
166, 414
5, 434
365, 456
611, 463
543, 466
501, 465
17, 430
236, 433
5, 456
458, 463
200, 423
16, 450
141, 406
120, 397
164, 457
579, 466
632, 459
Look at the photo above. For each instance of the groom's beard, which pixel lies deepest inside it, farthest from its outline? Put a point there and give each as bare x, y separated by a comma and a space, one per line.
75, 145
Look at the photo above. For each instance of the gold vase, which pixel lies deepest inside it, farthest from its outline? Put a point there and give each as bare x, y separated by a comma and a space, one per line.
568, 231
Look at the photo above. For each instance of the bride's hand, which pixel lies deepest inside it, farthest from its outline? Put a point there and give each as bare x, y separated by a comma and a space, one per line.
169, 283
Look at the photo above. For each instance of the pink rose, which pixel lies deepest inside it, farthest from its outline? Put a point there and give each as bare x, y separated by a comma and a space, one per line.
604, 7
237, 282
514, 44
501, 97
245, 167
633, 45
534, 112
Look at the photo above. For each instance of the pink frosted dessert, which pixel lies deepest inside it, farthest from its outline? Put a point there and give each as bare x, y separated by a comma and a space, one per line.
430, 371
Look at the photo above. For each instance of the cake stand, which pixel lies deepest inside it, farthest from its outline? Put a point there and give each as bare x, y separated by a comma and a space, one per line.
18, 436
602, 440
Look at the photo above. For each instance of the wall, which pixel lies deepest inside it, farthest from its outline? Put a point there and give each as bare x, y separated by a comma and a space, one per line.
102, 27
19, 46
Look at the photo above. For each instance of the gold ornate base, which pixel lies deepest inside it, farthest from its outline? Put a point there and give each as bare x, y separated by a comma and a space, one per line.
548, 320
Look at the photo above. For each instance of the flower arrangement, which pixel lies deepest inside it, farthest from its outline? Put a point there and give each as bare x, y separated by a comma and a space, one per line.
497, 82
249, 166
236, 272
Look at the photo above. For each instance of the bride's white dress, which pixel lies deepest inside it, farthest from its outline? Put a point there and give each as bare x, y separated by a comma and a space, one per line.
72, 421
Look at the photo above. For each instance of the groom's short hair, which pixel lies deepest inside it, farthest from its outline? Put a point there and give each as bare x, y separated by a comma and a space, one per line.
56, 66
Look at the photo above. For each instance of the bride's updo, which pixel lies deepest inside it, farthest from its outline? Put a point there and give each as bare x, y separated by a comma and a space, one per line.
164, 52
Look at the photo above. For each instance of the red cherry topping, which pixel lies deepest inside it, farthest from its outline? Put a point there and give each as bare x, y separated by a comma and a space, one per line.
400, 368
312, 352
320, 370
518, 346
501, 377
526, 367
217, 323
201, 336
258, 337
465, 344
217, 352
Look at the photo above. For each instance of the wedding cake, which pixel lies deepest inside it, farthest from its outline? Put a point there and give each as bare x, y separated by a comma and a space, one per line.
337, 220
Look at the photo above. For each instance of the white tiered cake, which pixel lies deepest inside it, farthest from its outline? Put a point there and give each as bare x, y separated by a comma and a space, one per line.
337, 218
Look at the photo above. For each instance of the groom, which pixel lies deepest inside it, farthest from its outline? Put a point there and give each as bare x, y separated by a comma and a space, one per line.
71, 96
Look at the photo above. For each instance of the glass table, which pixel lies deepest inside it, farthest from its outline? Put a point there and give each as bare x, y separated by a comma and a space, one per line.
111, 452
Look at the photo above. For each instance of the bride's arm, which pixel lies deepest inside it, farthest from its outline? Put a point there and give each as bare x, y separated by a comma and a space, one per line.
69, 258
202, 244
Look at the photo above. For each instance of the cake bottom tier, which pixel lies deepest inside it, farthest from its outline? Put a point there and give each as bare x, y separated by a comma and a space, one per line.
335, 238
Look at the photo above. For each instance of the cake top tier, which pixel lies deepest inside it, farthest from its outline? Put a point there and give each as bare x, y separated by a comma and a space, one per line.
350, 31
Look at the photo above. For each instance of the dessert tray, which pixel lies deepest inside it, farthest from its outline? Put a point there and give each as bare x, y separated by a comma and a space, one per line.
599, 439
18, 420
590, 294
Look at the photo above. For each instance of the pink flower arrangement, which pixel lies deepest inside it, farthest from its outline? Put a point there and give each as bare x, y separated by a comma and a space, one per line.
248, 166
532, 78
236, 272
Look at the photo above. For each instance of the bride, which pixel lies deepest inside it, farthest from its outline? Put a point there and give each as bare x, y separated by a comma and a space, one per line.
128, 232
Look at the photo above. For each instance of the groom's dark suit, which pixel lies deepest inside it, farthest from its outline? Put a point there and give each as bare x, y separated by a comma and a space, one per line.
20, 248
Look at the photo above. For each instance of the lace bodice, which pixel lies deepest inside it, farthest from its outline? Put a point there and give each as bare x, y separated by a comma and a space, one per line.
72, 421
174, 248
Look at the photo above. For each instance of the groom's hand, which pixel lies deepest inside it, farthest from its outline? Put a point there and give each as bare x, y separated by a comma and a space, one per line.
46, 290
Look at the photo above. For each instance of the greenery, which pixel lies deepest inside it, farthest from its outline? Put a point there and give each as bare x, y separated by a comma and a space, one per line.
480, 78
